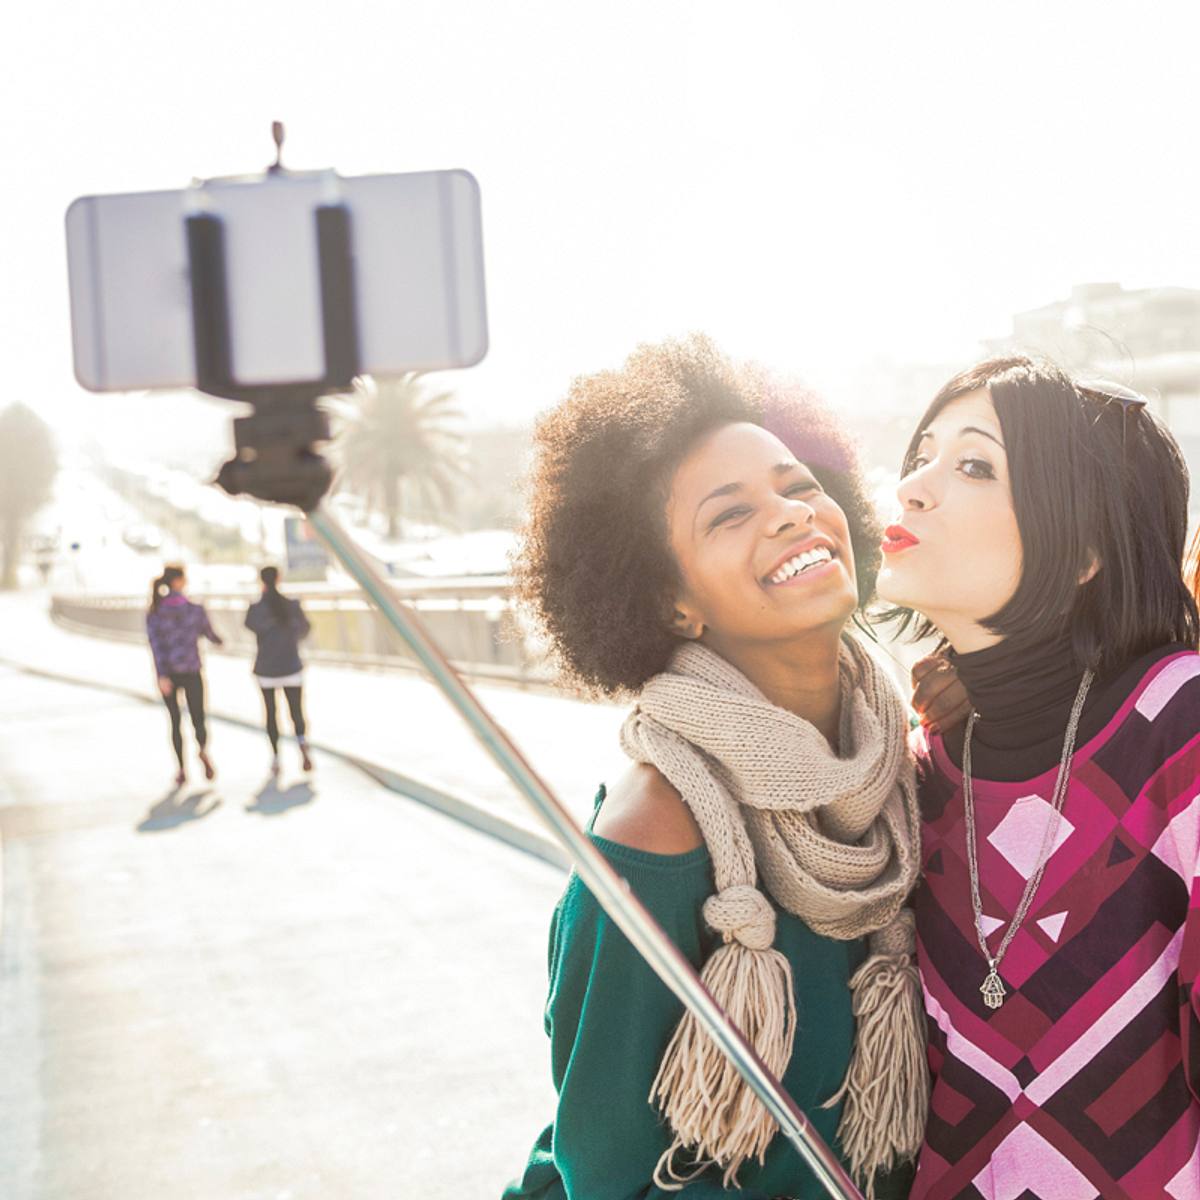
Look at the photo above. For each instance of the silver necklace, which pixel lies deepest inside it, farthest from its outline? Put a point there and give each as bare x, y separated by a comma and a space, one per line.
992, 987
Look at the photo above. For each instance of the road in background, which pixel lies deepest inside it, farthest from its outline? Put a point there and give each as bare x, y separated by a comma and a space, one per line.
93, 526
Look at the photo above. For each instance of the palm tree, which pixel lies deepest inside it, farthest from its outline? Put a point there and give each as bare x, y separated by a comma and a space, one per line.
402, 449
28, 464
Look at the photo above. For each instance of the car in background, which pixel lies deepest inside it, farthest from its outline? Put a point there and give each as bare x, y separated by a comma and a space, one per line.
143, 538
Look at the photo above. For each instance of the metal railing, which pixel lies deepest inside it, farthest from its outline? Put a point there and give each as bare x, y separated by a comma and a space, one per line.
472, 618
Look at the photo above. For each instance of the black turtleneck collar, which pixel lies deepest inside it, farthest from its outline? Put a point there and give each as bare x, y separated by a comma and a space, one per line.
1024, 697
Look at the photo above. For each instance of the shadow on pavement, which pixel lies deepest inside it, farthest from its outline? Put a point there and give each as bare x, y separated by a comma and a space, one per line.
171, 811
270, 801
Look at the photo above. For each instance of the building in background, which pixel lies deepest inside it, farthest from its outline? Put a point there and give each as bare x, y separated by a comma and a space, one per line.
1147, 338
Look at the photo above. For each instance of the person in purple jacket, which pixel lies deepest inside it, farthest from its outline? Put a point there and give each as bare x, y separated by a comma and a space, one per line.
175, 625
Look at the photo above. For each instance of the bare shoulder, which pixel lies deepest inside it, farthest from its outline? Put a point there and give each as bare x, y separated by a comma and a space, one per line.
643, 811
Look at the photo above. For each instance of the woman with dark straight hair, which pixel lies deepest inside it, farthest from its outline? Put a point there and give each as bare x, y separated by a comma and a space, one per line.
279, 625
175, 625
1043, 534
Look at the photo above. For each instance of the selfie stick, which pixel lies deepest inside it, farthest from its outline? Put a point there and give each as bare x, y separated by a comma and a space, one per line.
613, 893
276, 462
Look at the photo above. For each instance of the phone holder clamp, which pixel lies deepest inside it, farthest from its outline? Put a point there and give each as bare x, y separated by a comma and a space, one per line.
275, 457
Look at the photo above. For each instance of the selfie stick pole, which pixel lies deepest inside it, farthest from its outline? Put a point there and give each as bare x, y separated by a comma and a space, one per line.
613, 893
275, 461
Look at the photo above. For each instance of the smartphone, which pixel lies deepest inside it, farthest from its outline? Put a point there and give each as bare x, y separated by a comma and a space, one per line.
416, 249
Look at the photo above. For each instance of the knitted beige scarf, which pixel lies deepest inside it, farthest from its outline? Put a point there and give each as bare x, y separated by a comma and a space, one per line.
835, 838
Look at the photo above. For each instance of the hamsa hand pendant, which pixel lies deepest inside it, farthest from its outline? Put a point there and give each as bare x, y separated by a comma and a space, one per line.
993, 990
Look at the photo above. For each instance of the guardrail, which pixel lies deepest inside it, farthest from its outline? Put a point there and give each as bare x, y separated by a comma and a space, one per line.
473, 619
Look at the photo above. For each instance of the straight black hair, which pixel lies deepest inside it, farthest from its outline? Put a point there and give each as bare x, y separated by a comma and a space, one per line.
1094, 481
275, 599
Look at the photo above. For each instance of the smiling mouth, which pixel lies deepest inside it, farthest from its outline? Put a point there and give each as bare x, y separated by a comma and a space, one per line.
800, 564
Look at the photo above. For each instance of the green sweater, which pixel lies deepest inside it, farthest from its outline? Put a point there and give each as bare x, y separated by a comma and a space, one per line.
609, 1019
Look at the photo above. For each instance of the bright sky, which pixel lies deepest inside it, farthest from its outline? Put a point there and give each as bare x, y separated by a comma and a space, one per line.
812, 184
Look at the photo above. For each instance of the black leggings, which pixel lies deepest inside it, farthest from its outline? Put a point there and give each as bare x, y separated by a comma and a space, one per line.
192, 683
295, 708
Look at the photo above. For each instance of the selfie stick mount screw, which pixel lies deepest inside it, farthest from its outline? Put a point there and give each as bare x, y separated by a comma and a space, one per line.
278, 133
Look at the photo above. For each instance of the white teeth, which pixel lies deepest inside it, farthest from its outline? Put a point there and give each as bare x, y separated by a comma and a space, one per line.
810, 558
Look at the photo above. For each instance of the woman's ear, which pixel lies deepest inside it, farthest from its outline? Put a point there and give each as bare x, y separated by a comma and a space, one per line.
686, 624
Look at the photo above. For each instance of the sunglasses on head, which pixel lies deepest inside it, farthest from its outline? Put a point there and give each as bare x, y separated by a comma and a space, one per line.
1107, 392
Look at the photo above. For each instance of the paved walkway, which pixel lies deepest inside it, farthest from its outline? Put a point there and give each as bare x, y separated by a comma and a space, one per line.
253, 992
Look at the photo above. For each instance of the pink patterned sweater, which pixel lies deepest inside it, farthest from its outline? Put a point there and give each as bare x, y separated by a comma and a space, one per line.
1085, 1081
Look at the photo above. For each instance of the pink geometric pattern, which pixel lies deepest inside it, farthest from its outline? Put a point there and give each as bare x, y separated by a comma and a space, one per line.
1176, 845
969, 1053
1186, 1185
1086, 1081
1112, 1020
1020, 834
1052, 927
1026, 1155
1165, 684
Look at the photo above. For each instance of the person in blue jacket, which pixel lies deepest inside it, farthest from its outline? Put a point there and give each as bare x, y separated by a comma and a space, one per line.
279, 624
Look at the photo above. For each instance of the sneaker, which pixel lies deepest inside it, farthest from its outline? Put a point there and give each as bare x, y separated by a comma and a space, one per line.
209, 770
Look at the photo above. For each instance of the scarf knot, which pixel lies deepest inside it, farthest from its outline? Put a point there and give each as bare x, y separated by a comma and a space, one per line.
744, 914
898, 939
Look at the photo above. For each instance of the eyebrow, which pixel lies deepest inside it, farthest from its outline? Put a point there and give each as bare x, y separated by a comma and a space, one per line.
728, 489
991, 437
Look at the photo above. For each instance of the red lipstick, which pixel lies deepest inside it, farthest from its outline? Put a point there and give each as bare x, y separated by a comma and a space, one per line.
897, 538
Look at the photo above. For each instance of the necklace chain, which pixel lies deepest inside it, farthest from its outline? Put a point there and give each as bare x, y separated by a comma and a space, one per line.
992, 987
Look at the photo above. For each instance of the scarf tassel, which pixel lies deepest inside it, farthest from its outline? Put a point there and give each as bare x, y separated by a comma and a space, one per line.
886, 1090
715, 1116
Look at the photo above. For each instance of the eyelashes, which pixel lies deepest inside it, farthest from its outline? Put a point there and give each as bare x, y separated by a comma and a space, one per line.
729, 515
972, 466
980, 468
806, 486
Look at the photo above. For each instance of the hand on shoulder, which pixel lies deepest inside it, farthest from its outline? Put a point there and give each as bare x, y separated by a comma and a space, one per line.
644, 812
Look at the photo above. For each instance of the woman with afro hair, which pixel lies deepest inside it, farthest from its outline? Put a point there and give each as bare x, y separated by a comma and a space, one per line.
698, 541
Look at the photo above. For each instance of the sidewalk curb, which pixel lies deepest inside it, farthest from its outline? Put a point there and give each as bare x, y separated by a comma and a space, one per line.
450, 804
